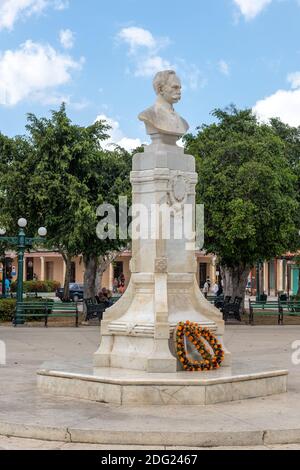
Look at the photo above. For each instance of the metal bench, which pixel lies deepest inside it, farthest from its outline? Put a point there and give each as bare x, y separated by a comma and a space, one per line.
63, 310
115, 298
268, 308
220, 301
289, 308
94, 309
32, 309
232, 309
45, 310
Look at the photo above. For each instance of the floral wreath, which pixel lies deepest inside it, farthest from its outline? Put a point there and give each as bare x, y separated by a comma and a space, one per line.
200, 338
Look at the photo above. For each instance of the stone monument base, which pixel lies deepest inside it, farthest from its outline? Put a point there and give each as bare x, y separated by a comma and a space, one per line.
128, 387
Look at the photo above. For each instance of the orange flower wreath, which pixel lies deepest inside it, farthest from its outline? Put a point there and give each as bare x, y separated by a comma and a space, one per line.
200, 338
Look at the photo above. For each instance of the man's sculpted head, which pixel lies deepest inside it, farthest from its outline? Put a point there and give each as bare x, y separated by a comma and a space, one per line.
161, 118
168, 85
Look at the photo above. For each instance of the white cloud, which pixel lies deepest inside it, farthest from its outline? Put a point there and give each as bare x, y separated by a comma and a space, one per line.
80, 105
13, 10
251, 8
50, 98
137, 37
143, 48
30, 70
151, 65
144, 54
284, 104
191, 75
117, 137
61, 4
67, 38
294, 80
224, 67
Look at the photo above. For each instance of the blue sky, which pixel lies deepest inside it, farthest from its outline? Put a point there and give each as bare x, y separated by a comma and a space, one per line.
100, 57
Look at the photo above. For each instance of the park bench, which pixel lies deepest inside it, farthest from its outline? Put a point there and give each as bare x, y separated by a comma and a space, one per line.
263, 309
232, 309
32, 309
289, 308
220, 301
31, 295
211, 298
115, 299
63, 310
94, 309
46, 309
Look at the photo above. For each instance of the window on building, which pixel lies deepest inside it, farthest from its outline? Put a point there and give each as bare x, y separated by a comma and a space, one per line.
272, 275
29, 269
9, 268
118, 269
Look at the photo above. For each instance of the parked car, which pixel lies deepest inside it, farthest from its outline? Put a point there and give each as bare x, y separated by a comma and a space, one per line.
76, 292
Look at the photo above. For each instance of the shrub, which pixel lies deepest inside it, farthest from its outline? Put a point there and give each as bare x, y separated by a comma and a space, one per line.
7, 309
37, 286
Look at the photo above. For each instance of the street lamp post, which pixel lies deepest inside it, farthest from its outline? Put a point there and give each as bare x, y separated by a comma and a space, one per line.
3, 277
22, 243
2, 233
258, 281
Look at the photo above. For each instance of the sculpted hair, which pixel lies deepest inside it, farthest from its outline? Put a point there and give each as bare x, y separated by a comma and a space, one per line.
161, 78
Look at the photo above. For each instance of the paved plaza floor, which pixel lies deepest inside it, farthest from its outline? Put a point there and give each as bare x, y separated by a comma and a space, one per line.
14, 443
61, 423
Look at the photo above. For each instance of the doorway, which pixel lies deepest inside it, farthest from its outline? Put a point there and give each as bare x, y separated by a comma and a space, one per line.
29, 269
202, 274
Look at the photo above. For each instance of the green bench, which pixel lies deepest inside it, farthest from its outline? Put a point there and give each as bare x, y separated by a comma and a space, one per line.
264, 308
47, 309
289, 308
212, 298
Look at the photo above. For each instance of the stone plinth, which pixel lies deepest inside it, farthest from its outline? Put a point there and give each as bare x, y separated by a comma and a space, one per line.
120, 387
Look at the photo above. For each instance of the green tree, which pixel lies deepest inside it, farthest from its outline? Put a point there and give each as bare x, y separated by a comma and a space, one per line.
290, 136
60, 180
249, 193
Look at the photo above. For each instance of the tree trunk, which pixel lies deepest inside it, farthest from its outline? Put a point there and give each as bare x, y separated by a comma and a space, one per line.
68, 263
235, 281
103, 264
90, 271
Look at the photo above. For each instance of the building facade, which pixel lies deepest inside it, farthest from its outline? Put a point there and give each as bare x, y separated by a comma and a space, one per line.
280, 275
275, 276
50, 266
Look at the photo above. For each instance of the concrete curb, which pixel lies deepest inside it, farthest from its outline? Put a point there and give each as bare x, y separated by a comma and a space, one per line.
159, 438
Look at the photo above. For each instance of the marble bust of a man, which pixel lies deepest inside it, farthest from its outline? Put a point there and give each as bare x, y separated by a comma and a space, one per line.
162, 117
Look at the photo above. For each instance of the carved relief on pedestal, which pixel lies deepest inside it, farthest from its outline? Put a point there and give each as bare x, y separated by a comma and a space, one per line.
161, 265
178, 191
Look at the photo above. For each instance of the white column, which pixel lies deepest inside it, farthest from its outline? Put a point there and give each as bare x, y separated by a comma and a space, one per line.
111, 277
266, 287
280, 286
42, 268
213, 272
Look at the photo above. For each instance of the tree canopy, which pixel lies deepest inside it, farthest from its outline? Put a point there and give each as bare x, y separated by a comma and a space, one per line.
57, 176
247, 187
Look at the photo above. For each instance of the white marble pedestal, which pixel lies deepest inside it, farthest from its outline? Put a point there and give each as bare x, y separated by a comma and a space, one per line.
127, 387
137, 332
